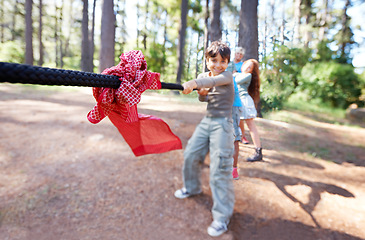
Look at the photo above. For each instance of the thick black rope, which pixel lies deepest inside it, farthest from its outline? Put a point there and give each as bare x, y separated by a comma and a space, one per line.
22, 73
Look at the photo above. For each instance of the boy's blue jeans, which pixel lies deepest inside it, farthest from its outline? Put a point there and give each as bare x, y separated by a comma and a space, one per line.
214, 135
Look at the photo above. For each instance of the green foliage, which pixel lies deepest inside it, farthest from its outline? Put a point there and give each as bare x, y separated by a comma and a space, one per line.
323, 78
324, 53
270, 96
169, 74
196, 14
279, 75
11, 52
161, 60
331, 82
362, 85
271, 100
156, 58
72, 63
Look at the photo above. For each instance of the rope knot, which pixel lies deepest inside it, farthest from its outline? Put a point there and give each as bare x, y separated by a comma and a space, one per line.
135, 79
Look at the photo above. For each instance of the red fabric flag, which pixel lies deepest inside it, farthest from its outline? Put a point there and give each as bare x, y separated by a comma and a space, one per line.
145, 134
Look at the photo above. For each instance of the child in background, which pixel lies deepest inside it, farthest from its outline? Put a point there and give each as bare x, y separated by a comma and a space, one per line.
237, 111
214, 134
236, 64
248, 83
234, 67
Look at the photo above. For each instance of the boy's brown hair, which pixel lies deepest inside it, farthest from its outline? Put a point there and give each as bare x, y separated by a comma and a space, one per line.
218, 47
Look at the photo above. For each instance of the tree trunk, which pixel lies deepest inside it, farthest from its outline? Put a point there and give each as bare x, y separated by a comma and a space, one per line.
264, 41
61, 34
40, 28
85, 43
56, 36
165, 39
13, 22
144, 41
323, 22
297, 24
124, 30
248, 29
197, 55
345, 30
182, 35
28, 32
282, 27
138, 32
107, 44
307, 16
92, 40
206, 32
2, 37
273, 26
248, 34
215, 26
68, 37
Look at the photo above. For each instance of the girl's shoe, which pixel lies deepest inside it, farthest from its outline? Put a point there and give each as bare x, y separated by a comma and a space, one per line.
244, 140
235, 174
257, 156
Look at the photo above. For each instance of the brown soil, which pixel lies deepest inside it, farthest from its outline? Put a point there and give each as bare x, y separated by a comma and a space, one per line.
62, 177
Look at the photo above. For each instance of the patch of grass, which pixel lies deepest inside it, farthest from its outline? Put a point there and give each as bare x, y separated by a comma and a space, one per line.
301, 103
319, 152
313, 109
282, 116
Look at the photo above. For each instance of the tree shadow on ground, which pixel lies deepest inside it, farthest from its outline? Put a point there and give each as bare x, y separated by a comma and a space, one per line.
244, 226
282, 160
317, 188
324, 144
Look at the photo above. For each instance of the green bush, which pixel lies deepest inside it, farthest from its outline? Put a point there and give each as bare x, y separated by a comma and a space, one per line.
271, 101
279, 76
331, 82
362, 97
11, 52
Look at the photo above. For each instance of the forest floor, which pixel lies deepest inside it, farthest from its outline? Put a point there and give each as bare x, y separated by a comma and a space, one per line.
62, 177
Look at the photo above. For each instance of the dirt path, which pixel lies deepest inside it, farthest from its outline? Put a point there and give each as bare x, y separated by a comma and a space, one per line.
62, 177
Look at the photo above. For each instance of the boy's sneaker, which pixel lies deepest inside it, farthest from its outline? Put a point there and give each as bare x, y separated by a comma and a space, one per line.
217, 228
244, 140
235, 174
182, 193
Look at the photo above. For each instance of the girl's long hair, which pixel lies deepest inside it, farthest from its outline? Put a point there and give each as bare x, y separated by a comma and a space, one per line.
254, 88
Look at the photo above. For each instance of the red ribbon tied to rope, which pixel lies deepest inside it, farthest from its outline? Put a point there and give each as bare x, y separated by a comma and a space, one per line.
135, 79
120, 105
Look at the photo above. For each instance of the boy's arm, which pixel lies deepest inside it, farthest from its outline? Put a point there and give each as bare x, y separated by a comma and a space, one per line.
208, 82
242, 78
189, 86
